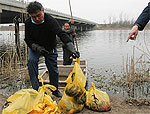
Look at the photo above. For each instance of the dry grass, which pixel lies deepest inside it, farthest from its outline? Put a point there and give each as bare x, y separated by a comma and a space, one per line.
133, 83
137, 77
12, 64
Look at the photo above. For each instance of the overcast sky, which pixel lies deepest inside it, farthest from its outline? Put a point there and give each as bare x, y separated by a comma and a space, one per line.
98, 10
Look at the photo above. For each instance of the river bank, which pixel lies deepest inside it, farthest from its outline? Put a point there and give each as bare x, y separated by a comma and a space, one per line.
104, 62
119, 106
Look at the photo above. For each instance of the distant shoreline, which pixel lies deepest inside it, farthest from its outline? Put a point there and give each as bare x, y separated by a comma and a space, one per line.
113, 28
21, 28
118, 28
11, 28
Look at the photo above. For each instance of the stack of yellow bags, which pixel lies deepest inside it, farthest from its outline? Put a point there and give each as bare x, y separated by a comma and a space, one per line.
29, 101
75, 96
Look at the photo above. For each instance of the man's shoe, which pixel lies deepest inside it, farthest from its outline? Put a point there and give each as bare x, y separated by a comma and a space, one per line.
57, 93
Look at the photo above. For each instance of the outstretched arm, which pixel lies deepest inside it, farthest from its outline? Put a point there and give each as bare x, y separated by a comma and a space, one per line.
133, 33
140, 23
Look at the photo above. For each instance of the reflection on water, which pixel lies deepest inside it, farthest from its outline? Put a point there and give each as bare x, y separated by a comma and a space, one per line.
104, 51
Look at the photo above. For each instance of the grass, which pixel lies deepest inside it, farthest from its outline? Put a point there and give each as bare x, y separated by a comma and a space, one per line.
133, 82
12, 64
138, 77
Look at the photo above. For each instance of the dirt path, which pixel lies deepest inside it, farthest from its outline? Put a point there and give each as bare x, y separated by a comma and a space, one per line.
2, 100
118, 107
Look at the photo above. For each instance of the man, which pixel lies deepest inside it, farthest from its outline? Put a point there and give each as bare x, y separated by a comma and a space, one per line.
140, 23
66, 53
40, 36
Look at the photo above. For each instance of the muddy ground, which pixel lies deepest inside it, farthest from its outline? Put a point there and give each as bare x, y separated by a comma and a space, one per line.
119, 106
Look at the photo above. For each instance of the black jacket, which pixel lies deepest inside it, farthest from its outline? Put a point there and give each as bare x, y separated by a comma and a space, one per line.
144, 18
44, 34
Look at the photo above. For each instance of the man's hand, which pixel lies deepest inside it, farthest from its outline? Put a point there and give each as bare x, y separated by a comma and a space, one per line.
42, 51
133, 33
72, 21
76, 55
39, 49
71, 48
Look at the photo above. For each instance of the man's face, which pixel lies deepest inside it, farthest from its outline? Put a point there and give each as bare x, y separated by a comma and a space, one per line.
38, 17
66, 26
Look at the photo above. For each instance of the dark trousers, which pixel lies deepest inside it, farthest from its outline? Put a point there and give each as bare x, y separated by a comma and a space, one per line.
66, 56
51, 63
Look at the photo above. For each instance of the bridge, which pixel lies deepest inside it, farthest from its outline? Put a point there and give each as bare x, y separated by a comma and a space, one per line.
10, 10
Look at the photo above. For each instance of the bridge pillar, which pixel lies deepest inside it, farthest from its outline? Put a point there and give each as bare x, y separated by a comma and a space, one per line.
90, 28
81, 28
77, 28
86, 28
0, 15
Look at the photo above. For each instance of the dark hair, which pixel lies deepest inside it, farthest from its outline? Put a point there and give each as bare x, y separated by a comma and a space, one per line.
33, 7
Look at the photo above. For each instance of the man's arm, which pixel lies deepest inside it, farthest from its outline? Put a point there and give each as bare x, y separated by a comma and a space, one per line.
64, 38
56, 29
143, 19
140, 23
28, 31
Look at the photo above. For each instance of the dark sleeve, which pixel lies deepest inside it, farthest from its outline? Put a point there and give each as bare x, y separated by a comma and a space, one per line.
59, 32
143, 19
28, 38
72, 26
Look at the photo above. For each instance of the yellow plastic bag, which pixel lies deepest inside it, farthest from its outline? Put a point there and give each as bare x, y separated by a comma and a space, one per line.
97, 100
30, 101
47, 107
74, 96
43, 103
69, 105
77, 76
20, 102
76, 81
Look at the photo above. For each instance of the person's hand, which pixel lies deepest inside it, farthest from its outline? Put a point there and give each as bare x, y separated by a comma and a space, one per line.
42, 51
75, 34
39, 49
70, 47
72, 21
133, 33
76, 55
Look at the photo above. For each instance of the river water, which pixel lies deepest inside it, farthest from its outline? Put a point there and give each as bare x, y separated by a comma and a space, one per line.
105, 51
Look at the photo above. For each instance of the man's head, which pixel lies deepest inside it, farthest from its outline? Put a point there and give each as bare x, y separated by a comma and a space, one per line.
66, 26
36, 11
